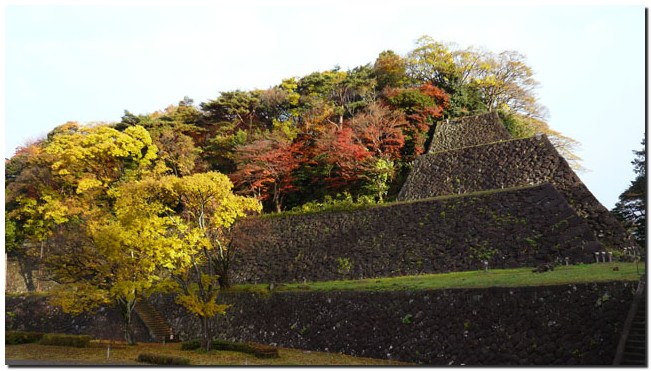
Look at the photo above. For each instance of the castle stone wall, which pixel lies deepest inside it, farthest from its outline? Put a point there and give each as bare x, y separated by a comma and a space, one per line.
558, 325
506, 164
468, 131
523, 227
521, 326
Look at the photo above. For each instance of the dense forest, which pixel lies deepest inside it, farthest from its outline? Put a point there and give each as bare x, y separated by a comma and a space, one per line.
104, 208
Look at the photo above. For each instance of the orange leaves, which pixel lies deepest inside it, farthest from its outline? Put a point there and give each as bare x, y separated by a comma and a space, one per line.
380, 130
265, 168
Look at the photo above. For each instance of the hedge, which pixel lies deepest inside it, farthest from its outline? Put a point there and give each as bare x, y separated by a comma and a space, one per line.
258, 350
64, 340
22, 337
158, 359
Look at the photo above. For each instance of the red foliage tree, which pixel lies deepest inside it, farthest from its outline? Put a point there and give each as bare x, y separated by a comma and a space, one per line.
380, 129
343, 156
264, 168
421, 106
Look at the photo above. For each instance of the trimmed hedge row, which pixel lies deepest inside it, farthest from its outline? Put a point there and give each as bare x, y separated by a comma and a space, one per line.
64, 340
22, 337
158, 359
257, 350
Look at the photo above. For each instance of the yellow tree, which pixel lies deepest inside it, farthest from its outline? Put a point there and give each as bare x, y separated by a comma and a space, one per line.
120, 258
205, 213
98, 253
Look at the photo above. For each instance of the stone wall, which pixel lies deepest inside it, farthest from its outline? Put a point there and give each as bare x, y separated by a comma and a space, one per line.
34, 313
506, 164
523, 227
15, 281
559, 325
551, 325
468, 131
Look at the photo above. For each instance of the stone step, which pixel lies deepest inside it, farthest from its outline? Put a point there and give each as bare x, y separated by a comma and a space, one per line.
634, 357
155, 323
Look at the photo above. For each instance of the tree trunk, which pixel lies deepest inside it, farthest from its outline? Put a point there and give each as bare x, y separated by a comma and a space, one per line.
223, 279
27, 273
206, 336
127, 315
276, 198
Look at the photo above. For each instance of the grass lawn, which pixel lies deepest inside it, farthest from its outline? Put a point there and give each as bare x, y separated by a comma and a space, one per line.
583, 273
125, 355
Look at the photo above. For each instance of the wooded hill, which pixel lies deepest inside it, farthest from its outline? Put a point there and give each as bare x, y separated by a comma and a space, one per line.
349, 133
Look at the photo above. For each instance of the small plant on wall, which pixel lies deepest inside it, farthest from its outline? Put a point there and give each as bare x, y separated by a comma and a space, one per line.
344, 266
482, 253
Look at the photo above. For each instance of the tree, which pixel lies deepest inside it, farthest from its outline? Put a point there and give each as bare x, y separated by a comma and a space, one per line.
389, 70
32, 208
206, 211
177, 150
631, 207
93, 257
342, 157
238, 108
422, 106
338, 94
115, 259
264, 168
430, 63
505, 80
380, 129
379, 178
97, 157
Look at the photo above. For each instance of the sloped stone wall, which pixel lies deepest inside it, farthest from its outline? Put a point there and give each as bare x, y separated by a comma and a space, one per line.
468, 131
524, 227
553, 325
512, 163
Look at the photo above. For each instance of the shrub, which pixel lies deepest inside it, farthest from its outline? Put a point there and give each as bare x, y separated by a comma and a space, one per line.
263, 351
22, 337
158, 359
64, 340
257, 350
191, 344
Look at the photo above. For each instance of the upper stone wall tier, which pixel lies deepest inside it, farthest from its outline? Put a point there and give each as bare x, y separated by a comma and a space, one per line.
514, 228
468, 131
507, 164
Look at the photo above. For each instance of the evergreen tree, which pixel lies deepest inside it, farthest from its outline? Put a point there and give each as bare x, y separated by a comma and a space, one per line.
631, 208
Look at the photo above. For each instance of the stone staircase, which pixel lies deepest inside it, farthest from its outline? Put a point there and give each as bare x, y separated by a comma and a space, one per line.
632, 350
158, 328
635, 349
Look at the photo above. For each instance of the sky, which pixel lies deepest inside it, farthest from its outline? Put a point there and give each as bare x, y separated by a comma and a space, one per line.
90, 61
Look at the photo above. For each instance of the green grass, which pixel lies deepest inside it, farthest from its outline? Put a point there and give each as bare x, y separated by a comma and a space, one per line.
584, 273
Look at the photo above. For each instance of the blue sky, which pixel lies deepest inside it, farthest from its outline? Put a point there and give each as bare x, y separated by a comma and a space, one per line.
89, 63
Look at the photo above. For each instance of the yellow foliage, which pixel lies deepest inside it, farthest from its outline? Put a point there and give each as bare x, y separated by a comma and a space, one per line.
78, 298
200, 308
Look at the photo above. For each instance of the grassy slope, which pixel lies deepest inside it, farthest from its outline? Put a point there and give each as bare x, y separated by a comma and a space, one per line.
573, 274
